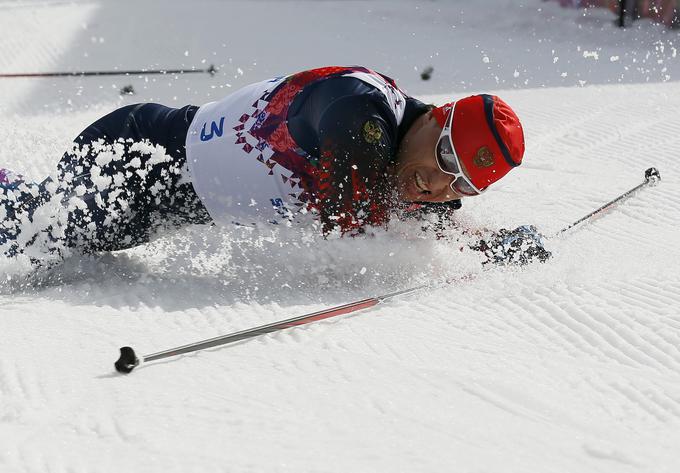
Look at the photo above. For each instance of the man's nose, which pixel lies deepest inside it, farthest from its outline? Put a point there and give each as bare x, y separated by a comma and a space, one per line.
441, 180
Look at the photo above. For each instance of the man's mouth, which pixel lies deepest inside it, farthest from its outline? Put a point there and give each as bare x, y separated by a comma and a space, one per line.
421, 185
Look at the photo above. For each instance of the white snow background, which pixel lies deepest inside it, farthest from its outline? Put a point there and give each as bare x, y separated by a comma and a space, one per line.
569, 366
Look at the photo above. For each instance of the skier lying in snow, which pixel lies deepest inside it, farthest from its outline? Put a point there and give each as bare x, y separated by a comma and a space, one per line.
343, 146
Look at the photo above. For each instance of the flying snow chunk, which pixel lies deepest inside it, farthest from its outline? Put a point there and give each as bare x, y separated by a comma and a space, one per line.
613, 58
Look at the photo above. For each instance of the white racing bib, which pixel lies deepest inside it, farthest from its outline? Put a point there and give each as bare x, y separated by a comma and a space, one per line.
243, 163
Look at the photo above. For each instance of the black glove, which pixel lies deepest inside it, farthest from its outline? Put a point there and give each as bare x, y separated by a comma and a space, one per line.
517, 247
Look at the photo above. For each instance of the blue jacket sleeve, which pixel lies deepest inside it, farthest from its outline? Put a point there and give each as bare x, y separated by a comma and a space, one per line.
356, 144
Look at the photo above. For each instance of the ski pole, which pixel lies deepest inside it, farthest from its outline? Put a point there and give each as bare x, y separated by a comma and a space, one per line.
210, 70
652, 177
128, 359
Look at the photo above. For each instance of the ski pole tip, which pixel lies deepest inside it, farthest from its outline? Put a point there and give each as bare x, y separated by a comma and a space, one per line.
127, 361
652, 175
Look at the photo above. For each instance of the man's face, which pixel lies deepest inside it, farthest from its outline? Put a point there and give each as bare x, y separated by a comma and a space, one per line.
419, 178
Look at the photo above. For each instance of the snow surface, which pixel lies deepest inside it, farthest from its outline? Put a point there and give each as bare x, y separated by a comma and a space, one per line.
568, 366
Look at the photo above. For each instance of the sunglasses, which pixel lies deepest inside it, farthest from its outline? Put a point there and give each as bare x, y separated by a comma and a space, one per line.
449, 163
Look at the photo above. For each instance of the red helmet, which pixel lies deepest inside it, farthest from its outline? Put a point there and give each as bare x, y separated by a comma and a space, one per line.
486, 135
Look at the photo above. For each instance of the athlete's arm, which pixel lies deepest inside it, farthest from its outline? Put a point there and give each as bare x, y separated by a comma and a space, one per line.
355, 146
